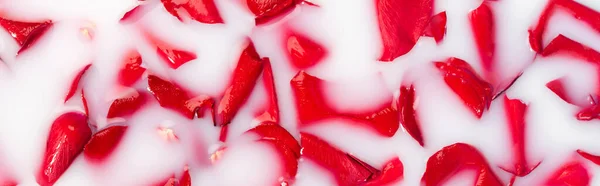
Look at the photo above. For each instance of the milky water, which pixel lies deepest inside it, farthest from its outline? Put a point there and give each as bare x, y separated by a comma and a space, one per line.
34, 84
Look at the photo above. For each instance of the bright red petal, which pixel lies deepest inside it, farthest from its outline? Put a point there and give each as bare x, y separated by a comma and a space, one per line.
266, 10
455, 158
392, 172
25, 33
484, 32
185, 180
173, 56
75, 82
572, 174
462, 79
401, 23
593, 158
565, 46
302, 51
348, 170
437, 27
249, 67
271, 114
408, 114
103, 143
515, 114
171, 96
126, 106
68, 135
204, 11
131, 70
284, 143
557, 86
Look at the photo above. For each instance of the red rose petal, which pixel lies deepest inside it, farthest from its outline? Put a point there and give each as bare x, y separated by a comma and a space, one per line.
185, 180
103, 143
204, 11
171, 96
266, 10
392, 172
579, 11
242, 83
130, 14
127, 105
566, 46
348, 170
200, 104
285, 144
85, 104
401, 23
131, 70
515, 114
311, 107
484, 33
572, 174
302, 51
462, 79
593, 158
271, 114
68, 135
172, 55
408, 114
75, 82
437, 27
589, 113
455, 158
25, 33
557, 86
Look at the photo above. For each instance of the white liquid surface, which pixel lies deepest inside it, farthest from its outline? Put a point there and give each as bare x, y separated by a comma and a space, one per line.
33, 85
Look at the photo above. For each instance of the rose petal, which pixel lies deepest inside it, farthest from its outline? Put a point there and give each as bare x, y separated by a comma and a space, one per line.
516, 111
204, 11
131, 70
484, 33
271, 114
572, 174
171, 96
75, 82
392, 172
267, 10
302, 51
103, 143
437, 27
127, 105
408, 113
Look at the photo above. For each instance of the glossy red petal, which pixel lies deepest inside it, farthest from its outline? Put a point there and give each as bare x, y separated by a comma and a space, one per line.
271, 114
127, 105
186, 179
200, 104
401, 23
392, 172
25, 33
172, 55
516, 111
249, 67
75, 82
204, 11
565, 46
579, 11
33, 36
557, 86
462, 79
437, 27
131, 14
266, 10
68, 135
484, 33
455, 158
348, 170
302, 51
311, 107
85, 103
408, 114
277, 134
589, 113
593, 158
572, 174
170, 96
131, 70
103, 143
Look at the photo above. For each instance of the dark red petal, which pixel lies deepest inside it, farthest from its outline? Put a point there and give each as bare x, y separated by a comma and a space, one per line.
483, 26
572, 174
401, 23
169, 95
204, 11
271, 114
311, 107
223, 133
437, 27
127, 105
455, 158
103, 143
131, 70
593, 158
22, 31
462, 79
348, 171
186, 179
557, 86
302, 51
589, 113
408, 114
579, 11
200, 104
392, 172
565, 46
75, 82
172, 55
266, 10
34, 35
516, 111
242, 83
68, 135
277, 134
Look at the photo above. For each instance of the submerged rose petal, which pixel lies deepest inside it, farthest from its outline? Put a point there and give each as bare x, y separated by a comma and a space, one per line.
267, 10
392, 172
127, 105
437, 27
484, 33
302, 51
562, 45
75, 82
284, 143
516, 111
271, 114
401, 23
593, 158
571, 173
68, 135
171, 96
172, 55
103, 143
204, 11
131, 70
408, 113
25, 33
455, 158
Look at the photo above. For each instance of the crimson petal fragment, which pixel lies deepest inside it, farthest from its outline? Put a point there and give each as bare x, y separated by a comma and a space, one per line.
571, 173
475, 93
267, 10
565, 46
408, 113
247, 71
455, 158
75, 82
204, 11
25, 33
484, 32
68, 135
103, 143
516, 111
437, 27
284, 143
171, 96
302, 51
593, 158
392, 172
131, 70
127, 105
271, 114
401, 23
